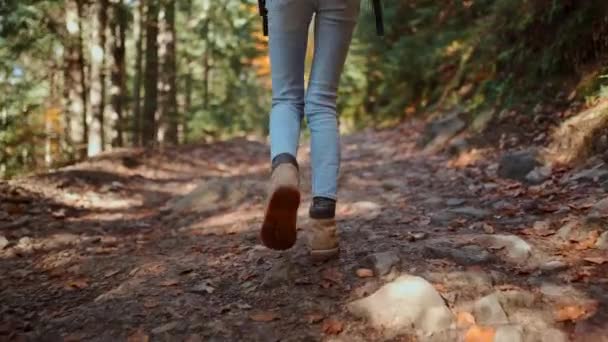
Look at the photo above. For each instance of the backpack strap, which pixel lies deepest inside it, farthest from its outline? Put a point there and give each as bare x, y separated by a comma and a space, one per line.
377, 7
264, 15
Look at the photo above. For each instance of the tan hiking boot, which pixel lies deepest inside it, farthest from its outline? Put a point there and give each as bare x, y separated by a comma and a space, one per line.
323, 230
279, 226
323, 239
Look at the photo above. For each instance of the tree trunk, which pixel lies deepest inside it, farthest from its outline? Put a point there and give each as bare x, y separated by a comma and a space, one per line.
98, 88
139, 36
74, 87
84, 142
151, 75
118, 76
169, 104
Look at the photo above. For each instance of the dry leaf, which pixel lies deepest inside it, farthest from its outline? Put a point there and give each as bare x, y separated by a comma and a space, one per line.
149, 304
597, 260
332, 327
314, 318
138, 336
480, 334
264, 316
78, 284
589, 243
365, 273
440, 288
465, 320
570, 313
333, 274
169, 282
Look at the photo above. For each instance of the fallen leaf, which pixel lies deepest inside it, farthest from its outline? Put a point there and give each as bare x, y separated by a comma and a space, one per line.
480, 334
597, 260
264, 316
333, 274
570, 313
169, 282
465, 320
111, 273
149, 304
487, 228
440, 287
589, 242
138, 336
314, 318
332, 327
164, 328
80, 284
365, 273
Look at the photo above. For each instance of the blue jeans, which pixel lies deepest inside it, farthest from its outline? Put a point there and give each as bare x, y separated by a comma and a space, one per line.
288, 27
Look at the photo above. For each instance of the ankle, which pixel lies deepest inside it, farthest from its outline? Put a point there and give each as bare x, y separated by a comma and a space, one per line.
284, 158
322, 208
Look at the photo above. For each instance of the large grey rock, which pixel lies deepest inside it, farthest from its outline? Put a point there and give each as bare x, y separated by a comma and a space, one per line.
488, 311
437, 133
405, 304
517, 165
509, 333
538, 175
513, 248
383, 262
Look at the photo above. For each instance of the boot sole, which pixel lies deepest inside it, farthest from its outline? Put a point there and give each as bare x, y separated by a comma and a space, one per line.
324, 255
279, 229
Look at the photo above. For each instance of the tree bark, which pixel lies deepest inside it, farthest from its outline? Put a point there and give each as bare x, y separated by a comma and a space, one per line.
139, 36
74, 85
118, 75
98, 88
169, 111
151, 75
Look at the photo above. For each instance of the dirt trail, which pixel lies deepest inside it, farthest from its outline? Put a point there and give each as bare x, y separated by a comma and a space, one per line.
120, 248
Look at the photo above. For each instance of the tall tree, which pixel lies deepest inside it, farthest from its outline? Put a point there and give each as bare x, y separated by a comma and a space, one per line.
151, 74
118, 73
96, 141
74, 84
140, 15
169, 110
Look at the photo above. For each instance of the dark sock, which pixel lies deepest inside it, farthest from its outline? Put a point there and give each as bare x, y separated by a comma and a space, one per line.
284, 158
322, 208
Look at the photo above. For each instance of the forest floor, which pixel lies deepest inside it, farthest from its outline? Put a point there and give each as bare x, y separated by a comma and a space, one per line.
120, 248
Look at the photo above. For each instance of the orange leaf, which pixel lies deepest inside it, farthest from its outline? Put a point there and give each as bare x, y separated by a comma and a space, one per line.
332, 327
589, 242
78, 284
264, 316
440, 287
333, 275
314, 318
480, 334
365, 273
597, 260
169, 282
465, 320
570, 313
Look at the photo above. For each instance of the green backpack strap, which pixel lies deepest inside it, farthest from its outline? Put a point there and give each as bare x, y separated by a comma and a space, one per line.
376, 7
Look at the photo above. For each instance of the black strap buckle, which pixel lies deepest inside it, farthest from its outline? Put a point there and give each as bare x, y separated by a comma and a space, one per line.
264, 15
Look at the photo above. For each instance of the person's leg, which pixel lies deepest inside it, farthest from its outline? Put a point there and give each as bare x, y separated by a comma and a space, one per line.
288, 32
288, 23
334, 25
